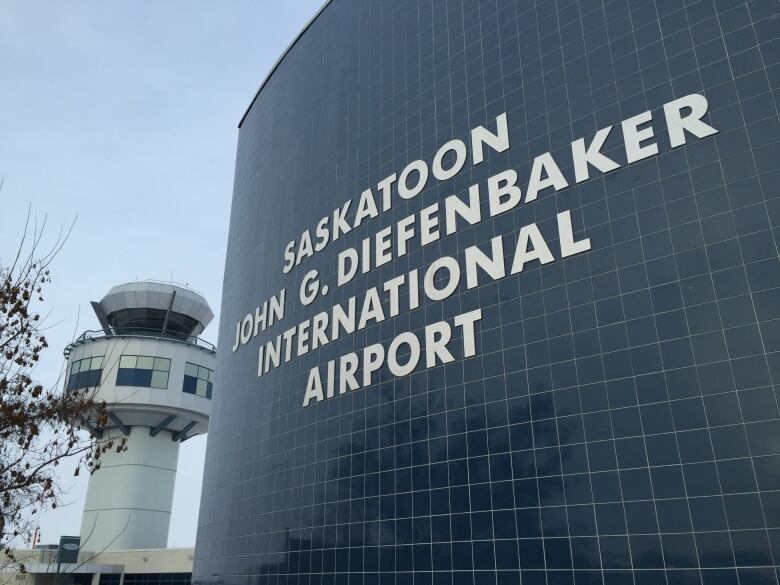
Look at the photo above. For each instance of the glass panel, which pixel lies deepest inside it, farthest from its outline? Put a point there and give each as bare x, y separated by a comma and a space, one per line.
97, 363
145, 362
142, 378
190, 384
162, 364
160, 380
93, 378
124, 377
190, 370
201, 389
74, 368
127, 361
211, 376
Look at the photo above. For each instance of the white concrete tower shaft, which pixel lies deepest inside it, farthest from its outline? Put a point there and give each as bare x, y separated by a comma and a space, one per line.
155, 376
129, 499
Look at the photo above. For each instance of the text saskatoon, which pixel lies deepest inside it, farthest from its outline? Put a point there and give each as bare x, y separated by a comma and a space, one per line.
404, 353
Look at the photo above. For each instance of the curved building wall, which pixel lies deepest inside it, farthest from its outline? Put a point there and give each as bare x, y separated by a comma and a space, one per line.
601, 407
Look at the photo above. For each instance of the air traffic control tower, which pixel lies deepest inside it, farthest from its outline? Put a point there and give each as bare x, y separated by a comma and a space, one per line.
155, 376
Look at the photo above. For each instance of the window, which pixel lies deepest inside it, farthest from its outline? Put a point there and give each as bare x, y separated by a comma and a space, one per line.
158, 578
143, 371
85, 373
151, 322
198, 380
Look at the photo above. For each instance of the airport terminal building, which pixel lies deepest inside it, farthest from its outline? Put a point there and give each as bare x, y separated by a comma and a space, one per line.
502, 300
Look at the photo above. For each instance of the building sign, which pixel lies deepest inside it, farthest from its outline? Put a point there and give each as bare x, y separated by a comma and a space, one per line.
507, 254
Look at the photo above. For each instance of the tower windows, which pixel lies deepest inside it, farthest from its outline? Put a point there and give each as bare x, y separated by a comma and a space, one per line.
198, 380
143, 371
85, 373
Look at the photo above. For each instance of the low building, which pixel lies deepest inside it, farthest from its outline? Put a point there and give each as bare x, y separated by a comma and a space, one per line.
171, 566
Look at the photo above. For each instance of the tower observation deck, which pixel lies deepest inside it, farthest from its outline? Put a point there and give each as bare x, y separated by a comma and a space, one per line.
156, 377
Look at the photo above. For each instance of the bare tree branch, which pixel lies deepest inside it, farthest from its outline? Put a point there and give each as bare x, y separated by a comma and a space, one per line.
39, 427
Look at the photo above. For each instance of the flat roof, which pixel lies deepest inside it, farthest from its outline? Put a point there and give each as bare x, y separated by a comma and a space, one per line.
282, 56
70, 568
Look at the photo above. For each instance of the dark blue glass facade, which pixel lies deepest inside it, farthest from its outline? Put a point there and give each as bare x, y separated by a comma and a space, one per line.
619, 421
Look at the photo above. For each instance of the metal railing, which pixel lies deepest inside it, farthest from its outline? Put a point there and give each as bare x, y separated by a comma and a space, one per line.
138, 333
183, 285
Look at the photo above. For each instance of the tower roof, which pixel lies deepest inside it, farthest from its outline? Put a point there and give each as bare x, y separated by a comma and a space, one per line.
155, 305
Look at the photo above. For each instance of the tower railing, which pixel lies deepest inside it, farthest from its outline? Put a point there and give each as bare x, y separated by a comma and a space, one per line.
140, 333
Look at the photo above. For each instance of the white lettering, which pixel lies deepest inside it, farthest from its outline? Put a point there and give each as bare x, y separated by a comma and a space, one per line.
633, 137
678, 124
498, 141
583, 156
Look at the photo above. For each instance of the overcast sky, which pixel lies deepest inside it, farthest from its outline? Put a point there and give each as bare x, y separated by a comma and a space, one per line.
124, 113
